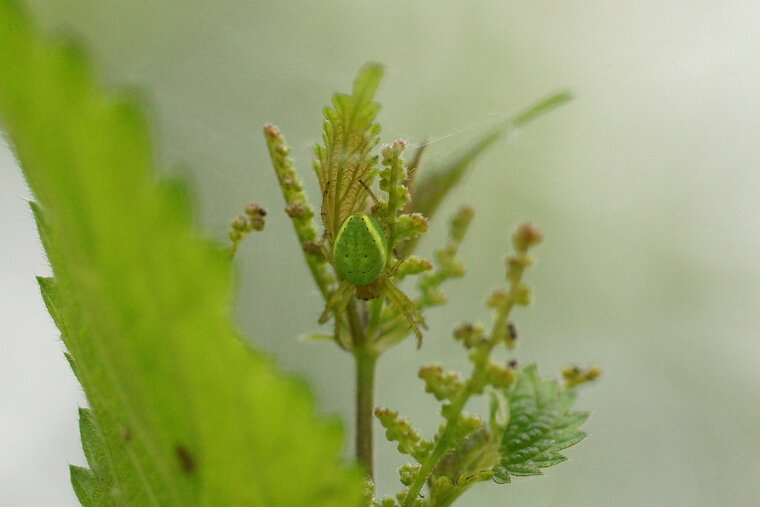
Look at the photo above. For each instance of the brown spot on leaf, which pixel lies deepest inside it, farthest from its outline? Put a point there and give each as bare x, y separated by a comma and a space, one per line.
186, 460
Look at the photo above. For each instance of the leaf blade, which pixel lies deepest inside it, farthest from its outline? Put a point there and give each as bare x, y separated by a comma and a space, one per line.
143, 305
343, 162
540, 425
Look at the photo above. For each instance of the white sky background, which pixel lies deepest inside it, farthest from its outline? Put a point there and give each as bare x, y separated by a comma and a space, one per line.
647, 187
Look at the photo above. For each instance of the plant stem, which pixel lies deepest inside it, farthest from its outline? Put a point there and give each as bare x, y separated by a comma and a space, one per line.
443, 445
366, 360
444, 442
478, 376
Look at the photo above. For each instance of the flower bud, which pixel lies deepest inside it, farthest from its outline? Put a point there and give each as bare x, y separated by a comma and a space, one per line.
398, 429
526, 236
239, 223
442, 385
575, 375
497, 299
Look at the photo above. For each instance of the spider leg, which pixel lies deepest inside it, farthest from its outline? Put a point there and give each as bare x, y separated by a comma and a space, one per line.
407, 308
394, 268
336, 332
324, 250
338, 301
323, 212
371, 193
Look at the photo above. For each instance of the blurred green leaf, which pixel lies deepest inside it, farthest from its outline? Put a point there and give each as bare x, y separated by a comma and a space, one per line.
98, 459
183, 413
435, 184
90, 491
540, 425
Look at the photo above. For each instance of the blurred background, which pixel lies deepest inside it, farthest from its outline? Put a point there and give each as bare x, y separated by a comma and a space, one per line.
646, 187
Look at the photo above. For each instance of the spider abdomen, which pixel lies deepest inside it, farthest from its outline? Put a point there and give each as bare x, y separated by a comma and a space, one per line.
361, 250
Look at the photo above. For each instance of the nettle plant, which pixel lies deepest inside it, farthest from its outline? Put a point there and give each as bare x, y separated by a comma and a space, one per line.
180, 412
366, 248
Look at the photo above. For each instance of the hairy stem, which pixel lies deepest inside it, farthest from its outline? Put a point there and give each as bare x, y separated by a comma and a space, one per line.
366, 360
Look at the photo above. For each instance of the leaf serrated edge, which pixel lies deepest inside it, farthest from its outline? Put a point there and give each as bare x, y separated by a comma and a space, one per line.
528, 397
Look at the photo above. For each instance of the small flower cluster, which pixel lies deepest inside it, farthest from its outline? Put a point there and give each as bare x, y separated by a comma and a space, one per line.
575, 375
252, 219
398, 429
448, 263
393, 181
466, 448
298, 208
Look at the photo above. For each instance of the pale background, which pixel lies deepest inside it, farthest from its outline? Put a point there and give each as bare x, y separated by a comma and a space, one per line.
646, 186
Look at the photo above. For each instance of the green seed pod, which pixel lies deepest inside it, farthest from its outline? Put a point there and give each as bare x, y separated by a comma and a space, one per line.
361, 250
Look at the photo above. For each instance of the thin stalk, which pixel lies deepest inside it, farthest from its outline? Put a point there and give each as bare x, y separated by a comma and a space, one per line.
524, 238
444, 442
366, 361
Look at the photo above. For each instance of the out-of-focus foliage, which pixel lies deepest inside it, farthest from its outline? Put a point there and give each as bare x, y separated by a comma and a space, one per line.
182, 413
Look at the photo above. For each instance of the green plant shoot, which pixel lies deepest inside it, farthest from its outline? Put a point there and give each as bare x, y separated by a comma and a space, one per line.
370, 248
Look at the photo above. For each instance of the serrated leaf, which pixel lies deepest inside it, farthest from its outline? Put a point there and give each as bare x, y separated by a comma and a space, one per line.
90, 491
94, 450
540, 425
343, 162
183, 413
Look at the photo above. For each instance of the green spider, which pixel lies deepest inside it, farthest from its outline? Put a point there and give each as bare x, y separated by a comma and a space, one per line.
360, 256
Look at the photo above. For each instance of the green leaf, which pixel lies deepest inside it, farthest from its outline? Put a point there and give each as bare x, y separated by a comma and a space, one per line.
96, 453
540, 425
343, 162
183, 413
90, 491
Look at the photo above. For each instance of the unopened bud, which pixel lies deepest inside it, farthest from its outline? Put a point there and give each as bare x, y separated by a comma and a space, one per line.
254, 210
521, 294
272, 131
470, 334
575, 375
442, 385
526, 236
295, 211
395, 148
497, 299
498, 376
407, 472
239, 223
398, 429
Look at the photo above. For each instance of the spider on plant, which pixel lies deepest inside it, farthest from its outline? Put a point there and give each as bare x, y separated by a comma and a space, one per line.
361, 257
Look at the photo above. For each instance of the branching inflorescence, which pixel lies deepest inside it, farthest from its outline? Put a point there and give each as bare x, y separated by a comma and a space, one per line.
365, 248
